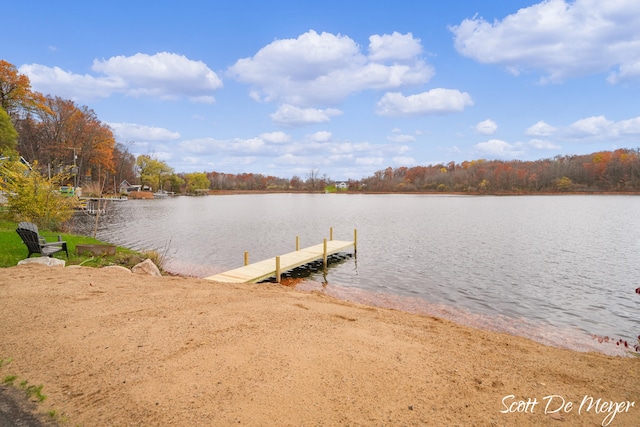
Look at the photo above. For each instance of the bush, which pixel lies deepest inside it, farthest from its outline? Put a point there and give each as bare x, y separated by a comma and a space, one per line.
33, 197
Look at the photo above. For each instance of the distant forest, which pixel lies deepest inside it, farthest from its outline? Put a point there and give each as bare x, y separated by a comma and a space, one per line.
605, 171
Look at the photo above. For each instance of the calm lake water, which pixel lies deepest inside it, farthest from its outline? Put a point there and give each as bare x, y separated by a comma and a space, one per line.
557, 269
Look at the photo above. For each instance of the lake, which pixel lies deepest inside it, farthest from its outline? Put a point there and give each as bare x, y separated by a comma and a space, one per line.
557, 269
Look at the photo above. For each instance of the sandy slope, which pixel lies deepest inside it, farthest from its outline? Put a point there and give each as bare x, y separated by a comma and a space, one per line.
112, 348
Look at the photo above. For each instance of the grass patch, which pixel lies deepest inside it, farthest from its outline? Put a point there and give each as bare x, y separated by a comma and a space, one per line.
34, 392
9, 379
14, 250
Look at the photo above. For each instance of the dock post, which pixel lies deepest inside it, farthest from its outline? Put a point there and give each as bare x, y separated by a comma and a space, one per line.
355, 240
297, 243
246, 258
330, 233
277, 269
324, 253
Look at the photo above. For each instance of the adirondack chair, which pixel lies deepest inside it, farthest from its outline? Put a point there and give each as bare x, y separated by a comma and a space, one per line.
37, 244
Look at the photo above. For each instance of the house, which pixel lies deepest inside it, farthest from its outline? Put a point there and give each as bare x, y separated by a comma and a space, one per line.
125, 187
342, 185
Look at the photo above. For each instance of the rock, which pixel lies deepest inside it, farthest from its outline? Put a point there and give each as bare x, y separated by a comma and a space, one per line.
146, 267
118, 267
45, 260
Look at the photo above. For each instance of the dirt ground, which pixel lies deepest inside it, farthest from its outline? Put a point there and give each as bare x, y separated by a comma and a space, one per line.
115, 349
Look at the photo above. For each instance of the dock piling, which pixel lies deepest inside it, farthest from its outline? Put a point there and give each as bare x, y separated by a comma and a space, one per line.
330, 233
355, 240
246, 258
324, 252
297, 243
278, 272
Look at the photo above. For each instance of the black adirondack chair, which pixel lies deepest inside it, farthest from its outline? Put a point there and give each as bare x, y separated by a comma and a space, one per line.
37, 244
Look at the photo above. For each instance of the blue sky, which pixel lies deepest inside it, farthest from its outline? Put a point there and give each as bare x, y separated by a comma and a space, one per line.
342, 87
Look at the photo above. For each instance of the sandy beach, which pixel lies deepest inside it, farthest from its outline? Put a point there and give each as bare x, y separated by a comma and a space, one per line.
115, 349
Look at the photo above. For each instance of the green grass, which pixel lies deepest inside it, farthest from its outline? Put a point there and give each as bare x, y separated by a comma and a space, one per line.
13, 249
9, 379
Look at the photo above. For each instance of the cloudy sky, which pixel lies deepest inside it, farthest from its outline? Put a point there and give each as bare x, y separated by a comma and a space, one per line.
344, 87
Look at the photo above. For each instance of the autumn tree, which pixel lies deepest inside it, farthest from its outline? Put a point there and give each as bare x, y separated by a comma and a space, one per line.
16, 95
8, 134
176, 182
124, 163
295, 182
64, 136
312, 179
153, 172
197, 181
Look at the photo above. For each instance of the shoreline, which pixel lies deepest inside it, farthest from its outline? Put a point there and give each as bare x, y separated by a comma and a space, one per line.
113, 348
555, 336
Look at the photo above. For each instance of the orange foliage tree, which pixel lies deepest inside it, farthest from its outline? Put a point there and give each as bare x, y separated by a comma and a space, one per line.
61, 130
16, 95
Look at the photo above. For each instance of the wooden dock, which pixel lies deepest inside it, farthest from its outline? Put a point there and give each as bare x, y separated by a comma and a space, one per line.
273, 267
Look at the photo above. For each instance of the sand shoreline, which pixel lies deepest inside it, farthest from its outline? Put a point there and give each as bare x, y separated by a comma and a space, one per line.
113, 348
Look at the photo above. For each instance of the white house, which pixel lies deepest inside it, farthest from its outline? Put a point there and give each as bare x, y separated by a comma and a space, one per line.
342, 185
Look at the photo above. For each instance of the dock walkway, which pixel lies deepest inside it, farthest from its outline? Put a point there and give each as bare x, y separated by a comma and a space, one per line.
273, 267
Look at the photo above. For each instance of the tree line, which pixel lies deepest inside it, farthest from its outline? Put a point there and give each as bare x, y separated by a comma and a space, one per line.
604, 171
60, 136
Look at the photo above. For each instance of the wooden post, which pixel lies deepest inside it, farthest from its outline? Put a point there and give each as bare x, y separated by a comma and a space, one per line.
246, 258
355, 240
324, 252
297, 243
277, 269
330, 233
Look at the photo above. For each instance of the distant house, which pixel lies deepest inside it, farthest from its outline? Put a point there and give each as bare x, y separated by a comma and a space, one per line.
125, 187
342, 185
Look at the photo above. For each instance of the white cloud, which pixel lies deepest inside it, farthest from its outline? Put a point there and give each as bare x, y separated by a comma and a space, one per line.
291, 116
393, 47
323, 69
541, 129
285, 153
369, 161
321, 136
164, 75
590, 126
404, 161
435, 101
54, 80
135, 132
561, 39
628, 127
276, 137
540, 144
236, 147
626, 72
595, 128
499, 149
401, 138
486, 127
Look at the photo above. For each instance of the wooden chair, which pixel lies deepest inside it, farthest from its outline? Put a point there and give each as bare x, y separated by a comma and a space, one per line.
37, 244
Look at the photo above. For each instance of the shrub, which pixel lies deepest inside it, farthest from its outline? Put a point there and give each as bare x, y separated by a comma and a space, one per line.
33, 197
